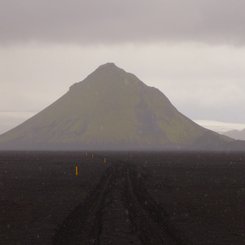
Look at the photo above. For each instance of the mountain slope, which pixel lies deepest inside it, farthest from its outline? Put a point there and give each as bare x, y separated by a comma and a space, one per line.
110, 109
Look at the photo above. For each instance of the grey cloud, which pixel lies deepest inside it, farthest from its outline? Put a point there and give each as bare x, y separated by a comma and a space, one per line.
225, 114
114, 21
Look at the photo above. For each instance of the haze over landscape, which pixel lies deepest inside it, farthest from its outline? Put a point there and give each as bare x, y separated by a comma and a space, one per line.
122, 122
192, 51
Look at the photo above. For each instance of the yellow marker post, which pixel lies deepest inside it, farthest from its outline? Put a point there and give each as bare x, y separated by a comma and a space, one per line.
104, 160
77, 170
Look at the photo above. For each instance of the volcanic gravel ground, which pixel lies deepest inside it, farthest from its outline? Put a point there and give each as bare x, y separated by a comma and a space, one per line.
132, 198
118, 211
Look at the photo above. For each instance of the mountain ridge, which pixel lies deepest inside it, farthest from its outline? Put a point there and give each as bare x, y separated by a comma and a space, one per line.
236, 134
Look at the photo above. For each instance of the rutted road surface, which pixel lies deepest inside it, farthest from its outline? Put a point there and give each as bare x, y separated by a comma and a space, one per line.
118, 211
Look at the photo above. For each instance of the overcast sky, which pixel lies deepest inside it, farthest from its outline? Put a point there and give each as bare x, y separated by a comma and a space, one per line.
192, 50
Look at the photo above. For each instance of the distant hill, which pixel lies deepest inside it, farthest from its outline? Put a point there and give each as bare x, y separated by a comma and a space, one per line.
111, 110
237, 145
236, 134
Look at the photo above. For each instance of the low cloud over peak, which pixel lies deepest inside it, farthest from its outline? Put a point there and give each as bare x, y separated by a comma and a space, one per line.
113, 21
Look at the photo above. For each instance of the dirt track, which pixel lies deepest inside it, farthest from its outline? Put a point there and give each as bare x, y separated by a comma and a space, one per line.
119, 210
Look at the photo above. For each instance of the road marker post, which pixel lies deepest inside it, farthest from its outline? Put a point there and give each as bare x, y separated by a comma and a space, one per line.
76, 170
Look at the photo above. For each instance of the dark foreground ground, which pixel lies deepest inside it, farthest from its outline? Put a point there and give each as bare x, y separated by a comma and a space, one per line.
132, 198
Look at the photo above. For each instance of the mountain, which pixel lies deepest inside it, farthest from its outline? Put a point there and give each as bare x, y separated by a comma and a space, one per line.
236, 134
110, 110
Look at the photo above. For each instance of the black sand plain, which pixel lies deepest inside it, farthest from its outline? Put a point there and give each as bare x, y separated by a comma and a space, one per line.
131, 198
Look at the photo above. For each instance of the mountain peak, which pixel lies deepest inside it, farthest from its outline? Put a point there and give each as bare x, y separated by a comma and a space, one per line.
109, 65
106, 75
109, 68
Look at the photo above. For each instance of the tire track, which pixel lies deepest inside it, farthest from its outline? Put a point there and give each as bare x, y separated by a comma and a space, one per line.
89, 222
83, 225
151, 222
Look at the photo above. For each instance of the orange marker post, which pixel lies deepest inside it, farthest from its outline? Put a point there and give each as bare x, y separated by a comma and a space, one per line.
77, 170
